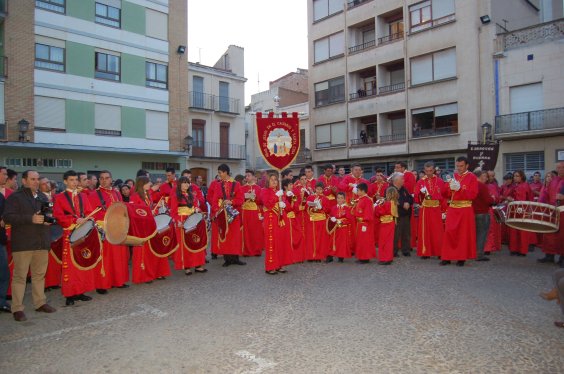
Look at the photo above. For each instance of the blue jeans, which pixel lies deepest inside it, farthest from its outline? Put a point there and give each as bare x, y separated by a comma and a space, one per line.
482, 228
4, 275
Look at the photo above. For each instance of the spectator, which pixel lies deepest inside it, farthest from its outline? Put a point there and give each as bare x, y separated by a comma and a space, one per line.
536, 185
364, 137
125, 191
4, 269
403, 226
12, 181
481, 207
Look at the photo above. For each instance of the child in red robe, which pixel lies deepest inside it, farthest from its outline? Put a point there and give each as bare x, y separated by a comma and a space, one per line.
363, 211
387, 213
340, 233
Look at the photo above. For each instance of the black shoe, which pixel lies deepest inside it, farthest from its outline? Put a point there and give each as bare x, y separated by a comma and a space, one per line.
161, 278
101, 291
425, 257
385, 263
396, 254
207, 261
214, 256
283, 271
226, 264
5, 309
406, 254
329, 259
271, 272
82, 297
513, 253
200, 270
341, 259
521, 254
444, 262
70, 301
124, 286
487, 253
239, 262
310, 260
362, 261
460, 263
547, 259
483, 259
531, 248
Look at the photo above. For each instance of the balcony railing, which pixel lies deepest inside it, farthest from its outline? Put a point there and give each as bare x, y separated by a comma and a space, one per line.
360, 142
548, 119
390, 38
3, 131
392, 88
360, 93
104, 132
218, 150
423, 133
304, 156
362, 46
354, 3
537, 34
3, 66
433, 23
200, 100
394, 138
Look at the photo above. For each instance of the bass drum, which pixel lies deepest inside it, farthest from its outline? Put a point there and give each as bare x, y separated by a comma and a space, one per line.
129, 224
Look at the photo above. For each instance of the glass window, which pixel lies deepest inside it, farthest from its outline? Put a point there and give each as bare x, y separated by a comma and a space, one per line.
224, 97
329, 92
51, 5
432, 121
156, 75
325, 8
329, 47
331, 135
107, 66
432, 67
108, 15
430, 13
49, 57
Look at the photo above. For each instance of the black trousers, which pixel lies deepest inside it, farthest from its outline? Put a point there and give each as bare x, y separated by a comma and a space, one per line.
231, 259
402, 234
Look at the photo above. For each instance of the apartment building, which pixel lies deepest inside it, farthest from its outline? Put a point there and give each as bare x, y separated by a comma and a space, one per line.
93, 85
217, 118
405, 79
289, 93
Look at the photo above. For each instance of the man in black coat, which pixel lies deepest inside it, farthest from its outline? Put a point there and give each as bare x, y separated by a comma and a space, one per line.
4, 270
402, 234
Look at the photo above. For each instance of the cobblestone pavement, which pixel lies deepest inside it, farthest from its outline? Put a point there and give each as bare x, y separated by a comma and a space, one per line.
411, 317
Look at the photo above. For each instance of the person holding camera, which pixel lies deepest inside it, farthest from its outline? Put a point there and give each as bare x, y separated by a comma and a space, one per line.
31, 242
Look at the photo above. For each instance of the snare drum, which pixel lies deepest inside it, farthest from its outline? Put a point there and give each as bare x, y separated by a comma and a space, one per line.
163, 221
532, 216
86, 246
500, 213
164, 243
192, 222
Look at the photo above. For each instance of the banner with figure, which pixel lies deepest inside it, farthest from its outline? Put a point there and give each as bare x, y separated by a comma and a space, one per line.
278, 139
483, 155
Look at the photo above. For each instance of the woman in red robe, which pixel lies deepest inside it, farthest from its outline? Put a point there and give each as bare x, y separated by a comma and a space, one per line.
377, 191
493, 240
520, 240
317, 239
145, 265
184, 203
387, 214
295, 230
301, 192
340, 235
363, 211
251, 213
505, 192
278, 247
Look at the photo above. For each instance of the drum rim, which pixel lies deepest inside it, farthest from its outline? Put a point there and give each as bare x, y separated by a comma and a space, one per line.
532, 203
88, 222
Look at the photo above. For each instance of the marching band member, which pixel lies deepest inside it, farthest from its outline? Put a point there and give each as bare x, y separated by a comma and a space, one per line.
387, 213
553, 244
169, 187
363, 211
276, 229
70, 209
83, 183
459, 241
310, 181
340, 237
227, 199
429, 193
184, 203
214, 247
302, 218
330, 185
350, 182
317, 239
146, 267
295, 231
506, 191
115, 257
493, 240
253, 234
520, 240
377, 191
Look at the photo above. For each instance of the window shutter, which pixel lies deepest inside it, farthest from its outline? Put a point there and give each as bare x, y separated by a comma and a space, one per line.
107, 117
49, 112
156, 125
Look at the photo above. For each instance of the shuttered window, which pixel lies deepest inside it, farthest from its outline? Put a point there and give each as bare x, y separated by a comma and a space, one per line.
528, 162
157, 24
49, 113
107, 120
156, 125
433, 67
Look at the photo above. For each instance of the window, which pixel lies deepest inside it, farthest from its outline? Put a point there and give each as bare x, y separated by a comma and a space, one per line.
526, 98
224, 97
44, 162
329, 92
108, 15
198, 135
107, 120
433, 67
331, 135
156, 24
107, 66
326, 8
432, 121
447, 165
49, 57
528, 162
13, 162
49, 113
156, 126
329, 47
52, 5
156, 75
152, 165
430, 13
395, 29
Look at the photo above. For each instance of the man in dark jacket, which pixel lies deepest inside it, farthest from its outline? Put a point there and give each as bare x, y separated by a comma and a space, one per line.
31, 242
4, 270
402, 234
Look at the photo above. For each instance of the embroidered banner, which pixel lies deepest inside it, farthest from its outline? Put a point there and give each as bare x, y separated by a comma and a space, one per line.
483, 155
278, 139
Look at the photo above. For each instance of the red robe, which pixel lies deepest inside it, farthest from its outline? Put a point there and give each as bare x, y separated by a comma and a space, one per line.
386, 236
74, 280
377, 190
231, 190
330, 185
430, 231
340, 239
493, 240
185, 257
302, 218
296, 228
214, 245
317, 239
409, 183
459, 241
505, 191
277, 232
348, 190
145, 265
553, 243
520, 240
363, 212
253, 233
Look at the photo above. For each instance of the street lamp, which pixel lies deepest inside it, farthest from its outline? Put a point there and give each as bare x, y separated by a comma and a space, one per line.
23, 126
188, 142
486, 129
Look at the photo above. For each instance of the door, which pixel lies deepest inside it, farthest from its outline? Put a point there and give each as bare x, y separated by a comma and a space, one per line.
198, 135
198, 92
224, 140
224, 97
200, 172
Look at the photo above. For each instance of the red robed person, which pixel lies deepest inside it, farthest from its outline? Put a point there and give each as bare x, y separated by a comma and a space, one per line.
377, 191
116, 257
316, 236
349, 183
253, 234
363, 211
553, 244
70, 209
339, 228
330, 185
227, 199
169, 186
459, 241
519, 240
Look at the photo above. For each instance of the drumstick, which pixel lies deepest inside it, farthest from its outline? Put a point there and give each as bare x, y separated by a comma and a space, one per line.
93, 212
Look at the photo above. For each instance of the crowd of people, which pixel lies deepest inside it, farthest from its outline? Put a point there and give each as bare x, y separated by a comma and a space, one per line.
290, 219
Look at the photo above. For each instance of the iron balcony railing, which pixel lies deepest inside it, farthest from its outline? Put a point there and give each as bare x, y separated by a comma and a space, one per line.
423, 133
394, 138
218, 150
362, 46
360, 93
200, 100
367, 140
392, 88
548, 119
304, 156
390, 38
354, 3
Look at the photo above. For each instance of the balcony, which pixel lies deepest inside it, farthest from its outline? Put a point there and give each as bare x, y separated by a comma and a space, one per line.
532, 35
551, 120
363, 46
390, 38
3, 132
3, 67
203, 101
218, 151
394, 138
424, 133
361, 142
362, 93
355, 3
398, 87
303, 157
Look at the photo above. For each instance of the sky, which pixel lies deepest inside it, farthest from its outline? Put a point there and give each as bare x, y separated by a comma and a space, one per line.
272, 32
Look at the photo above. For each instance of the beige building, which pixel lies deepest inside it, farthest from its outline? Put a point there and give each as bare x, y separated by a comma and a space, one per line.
216, 112
405, 79
286, 94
